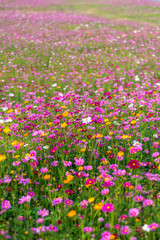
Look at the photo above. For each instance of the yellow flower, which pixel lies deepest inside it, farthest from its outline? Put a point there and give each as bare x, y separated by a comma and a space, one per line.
47, 177
72, 213
14, 143
83, 149
133, 122
91, 199
159, 167
7, 130
120, 153
126, 136
2, 157
63, 125
99, 135
10, 110
80, 168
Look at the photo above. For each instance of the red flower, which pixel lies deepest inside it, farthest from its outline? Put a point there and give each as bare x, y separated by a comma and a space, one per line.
133, 164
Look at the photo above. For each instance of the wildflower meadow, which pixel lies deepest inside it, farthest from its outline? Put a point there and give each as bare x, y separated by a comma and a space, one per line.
79, 119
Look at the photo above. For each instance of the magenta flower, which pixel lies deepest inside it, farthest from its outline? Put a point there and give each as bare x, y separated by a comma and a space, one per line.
88, 229
90, 181
20, 218
138, 198
5, 204
52, 228
133, 212
147, 202
79, 161
125, 230
68, 202
107, 207
153, 226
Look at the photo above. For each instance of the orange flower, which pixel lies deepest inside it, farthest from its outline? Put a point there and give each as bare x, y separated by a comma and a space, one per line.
98, 206
72, 213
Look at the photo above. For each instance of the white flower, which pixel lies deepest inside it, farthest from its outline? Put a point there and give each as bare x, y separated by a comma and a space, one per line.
87, 120
136, 78
109, 147
130, 105
158, 84
1, 121
54, 85
4, 108
46, 147
155, 135
146, 228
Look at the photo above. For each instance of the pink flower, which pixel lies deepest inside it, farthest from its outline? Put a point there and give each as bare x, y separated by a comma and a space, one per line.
24, 199
43, 213
79, 161
125, 230
88, 229
133, 212
147, 202
105, 235
108, 207
5, 204
105, 191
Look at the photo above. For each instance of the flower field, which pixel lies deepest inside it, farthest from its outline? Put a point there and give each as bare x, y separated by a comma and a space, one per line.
79, 120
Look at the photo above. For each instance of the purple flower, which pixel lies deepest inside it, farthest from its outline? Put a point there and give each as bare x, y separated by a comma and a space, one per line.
107, 225
43, 213
5, 204
24, 181
133, 212
125, 230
